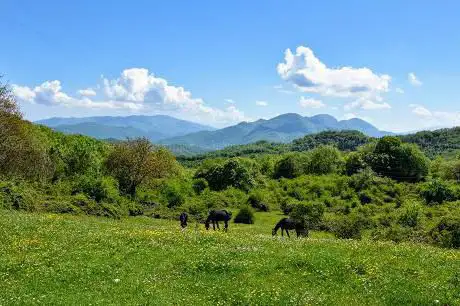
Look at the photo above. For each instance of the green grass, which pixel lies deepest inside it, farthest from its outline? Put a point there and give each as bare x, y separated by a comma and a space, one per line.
70, 260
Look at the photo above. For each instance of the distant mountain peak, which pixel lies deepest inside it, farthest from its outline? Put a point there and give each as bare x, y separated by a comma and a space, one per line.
282, 128
154, 127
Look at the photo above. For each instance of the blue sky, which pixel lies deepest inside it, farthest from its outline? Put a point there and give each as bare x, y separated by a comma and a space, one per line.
393, 63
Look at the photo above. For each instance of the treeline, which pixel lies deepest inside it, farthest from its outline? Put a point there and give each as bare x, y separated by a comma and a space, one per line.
444, 142
341, 182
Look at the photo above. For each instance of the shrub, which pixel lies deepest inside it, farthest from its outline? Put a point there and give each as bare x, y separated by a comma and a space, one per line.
447, 232
174, 197
98, 188
350, 226
256, 201
410, 216
18, 196
61, 205
309, 214
199, 185
245, 215
436, 192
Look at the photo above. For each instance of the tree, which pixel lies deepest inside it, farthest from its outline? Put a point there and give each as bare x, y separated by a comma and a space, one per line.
402, 162
134, 161
8, 103
23, 151
354, 163
290, 166
325, 160
233, 173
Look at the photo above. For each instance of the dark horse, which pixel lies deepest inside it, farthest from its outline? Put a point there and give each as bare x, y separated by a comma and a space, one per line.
218, 215
183, 220
287, 224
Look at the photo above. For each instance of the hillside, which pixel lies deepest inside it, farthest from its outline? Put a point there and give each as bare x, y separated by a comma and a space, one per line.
444, 142
154, 128
283, 129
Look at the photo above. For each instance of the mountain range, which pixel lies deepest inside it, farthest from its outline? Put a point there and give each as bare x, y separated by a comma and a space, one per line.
154, 128
283, 128
172, 132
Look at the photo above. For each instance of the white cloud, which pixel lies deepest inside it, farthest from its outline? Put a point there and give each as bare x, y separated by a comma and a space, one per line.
420, 110
308, 74
261, 103
363, 103
136, 89
436, 118
413, 79
399, 90
88, 92
311, 103
230, 101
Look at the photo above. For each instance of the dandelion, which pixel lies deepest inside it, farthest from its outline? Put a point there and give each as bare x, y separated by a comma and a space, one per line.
116, 280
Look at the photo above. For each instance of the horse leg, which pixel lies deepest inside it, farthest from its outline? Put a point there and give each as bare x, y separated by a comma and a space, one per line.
218, 227
287, 233
282, 232
213, 225
225, 225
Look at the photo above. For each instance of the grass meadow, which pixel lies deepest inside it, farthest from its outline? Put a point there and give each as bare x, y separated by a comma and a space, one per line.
79, 260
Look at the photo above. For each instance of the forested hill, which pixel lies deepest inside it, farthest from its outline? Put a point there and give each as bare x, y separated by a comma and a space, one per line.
445, 142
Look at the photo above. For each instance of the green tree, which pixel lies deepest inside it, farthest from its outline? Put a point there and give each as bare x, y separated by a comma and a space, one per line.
290, 166
402, 162
134, 161
233, 173
325, 160
23, 149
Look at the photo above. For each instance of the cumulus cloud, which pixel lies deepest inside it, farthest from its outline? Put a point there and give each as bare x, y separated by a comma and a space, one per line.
399, 90
363, 103
135, 89
261, 103
88, 92
431, 117
311, 103
230, 101
308, 74
413, 79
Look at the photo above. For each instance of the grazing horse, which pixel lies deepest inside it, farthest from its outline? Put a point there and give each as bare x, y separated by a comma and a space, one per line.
218, 215
287, 224
183, 220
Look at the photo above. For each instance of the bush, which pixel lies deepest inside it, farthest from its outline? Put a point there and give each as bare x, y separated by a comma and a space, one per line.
199, 185
173, 196
436, 192
98, 188
447, 232
18, 196
256, 201
410, 216
245, 216
350, 226
309, 214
